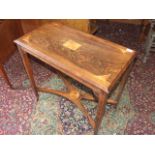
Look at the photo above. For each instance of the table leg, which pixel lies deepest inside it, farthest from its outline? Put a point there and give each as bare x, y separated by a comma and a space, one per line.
4, 75
28, 69
123, 82
100, 110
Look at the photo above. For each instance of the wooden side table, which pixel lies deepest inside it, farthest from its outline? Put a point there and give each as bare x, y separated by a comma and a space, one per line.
94, 62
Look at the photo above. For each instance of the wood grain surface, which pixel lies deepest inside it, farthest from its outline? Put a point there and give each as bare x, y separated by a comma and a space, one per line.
97, 62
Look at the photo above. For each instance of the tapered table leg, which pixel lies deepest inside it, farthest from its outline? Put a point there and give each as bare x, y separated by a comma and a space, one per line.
4, 75
100, 110
28, 69
123, 82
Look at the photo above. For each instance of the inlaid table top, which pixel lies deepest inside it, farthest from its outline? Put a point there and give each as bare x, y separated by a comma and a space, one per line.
90, 60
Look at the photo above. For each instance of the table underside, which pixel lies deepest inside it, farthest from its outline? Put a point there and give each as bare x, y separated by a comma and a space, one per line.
75, 95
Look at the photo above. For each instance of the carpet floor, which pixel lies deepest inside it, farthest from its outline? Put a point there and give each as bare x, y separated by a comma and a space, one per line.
20, 113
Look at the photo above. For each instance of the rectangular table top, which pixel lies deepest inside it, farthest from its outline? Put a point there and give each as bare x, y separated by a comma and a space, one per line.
91, 60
